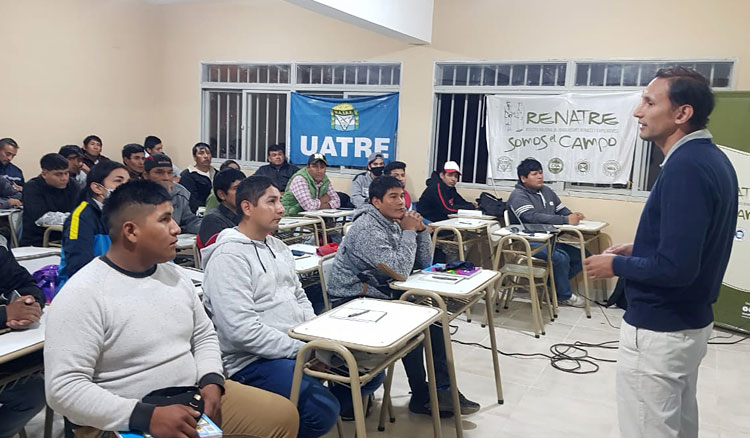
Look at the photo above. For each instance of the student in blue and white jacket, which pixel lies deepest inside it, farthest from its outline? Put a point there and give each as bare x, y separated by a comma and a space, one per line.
85, 232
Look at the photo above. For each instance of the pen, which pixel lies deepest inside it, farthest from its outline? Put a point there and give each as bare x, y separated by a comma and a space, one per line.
357, 313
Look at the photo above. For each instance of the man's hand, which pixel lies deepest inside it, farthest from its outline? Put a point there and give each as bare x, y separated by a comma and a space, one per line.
212, 402
625, 249
580, 215
23, 312
475, 204
13, 202
324, 205
175, 421
599, 266
85, 168
412, 222
325, 198
574, 219
418, 216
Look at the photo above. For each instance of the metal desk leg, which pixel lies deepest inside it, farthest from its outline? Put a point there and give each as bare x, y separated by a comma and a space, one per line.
432, 386
489, 299
386, 398
586, 293
551, 270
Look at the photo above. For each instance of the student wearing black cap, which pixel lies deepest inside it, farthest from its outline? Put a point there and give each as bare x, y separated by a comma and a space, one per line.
360, 189
159, 170
74, 154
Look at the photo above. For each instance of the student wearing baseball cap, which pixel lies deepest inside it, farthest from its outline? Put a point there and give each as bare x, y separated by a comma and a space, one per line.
360, 190
441, 198
310, 188
159, 170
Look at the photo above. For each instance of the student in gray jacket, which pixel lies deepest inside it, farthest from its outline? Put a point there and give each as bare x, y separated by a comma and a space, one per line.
254, 296
159, 170
358, 192
384, 233
535, 203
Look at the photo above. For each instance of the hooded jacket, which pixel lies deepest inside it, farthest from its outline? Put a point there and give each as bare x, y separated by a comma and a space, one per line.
254, 296
360, 189
85, 236
16, 277
371, 240
537, 206
199, 186
186, 219
39, 198
280, 175
439, 200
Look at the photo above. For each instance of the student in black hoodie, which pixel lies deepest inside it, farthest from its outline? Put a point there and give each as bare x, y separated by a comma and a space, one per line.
278, 168
52, 190
19, 402
440, 198
198, 179
225, 215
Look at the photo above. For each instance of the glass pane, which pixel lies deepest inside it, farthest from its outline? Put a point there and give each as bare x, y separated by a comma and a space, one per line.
489, 75
503, 75
561, 70
721, 74
361, 77
517, 74
446, 74
704, 68
533, 74
223, 124
475, 75
461, 75
648, 72
338, 74
303, 74
349, 72
396, 75
316, 76
630, 75
263, 77
613, 74
582, 74
548, 75
597, 75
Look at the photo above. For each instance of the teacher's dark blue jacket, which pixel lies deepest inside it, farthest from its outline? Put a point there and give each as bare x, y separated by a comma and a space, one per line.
684, 239
85, 236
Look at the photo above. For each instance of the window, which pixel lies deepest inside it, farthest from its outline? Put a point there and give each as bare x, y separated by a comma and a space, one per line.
459, 132
246, 106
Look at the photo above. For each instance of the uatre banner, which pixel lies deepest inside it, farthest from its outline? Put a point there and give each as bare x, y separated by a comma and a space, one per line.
577, 137
346, 131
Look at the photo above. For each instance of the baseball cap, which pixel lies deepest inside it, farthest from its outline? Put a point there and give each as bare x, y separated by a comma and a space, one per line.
314, 158
450, 167
71, 149
157, 160
374, 156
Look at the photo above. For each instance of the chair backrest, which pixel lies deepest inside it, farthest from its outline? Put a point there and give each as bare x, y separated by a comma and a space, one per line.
324, 269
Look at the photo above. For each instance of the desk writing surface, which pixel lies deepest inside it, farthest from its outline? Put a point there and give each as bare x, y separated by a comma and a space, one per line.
32, 252
585, 225
463, 223
16, 340
400, 319
328, 212
307, 262
185, 240
34, 264
467, 286
535, 237
293, 222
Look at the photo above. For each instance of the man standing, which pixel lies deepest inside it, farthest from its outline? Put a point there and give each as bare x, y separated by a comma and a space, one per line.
198, 179
74, 155
225, 215
52, 190
441, 198
310, 188
159, 170
359, 192
99, 367
534, 203
674, 268
133, 157
8, 151
278, 168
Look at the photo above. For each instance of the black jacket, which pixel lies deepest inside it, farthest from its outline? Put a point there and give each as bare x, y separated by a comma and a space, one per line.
15, 277
279, 175
198, 185
438, 200
217, 220
39, 198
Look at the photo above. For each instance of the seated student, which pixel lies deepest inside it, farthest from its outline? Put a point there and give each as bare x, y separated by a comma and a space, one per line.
224, 216
152, 144
85, 232
441, 198
397, 169
536, 203
159, 170
310, 188
52, 190
9, 196
8, 151
383, 232
74, 155
212, 201
20, 401
133, 157
361, 183
254, 296
278, 168
92, 148
119, 349
198, 179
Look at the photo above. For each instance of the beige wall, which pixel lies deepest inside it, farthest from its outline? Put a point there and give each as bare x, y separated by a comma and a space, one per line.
126, 68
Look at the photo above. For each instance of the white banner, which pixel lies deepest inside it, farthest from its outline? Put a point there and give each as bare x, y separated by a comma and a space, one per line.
736, 274
587, 138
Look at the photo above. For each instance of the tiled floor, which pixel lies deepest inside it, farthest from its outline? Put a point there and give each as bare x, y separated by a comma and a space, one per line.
541, 401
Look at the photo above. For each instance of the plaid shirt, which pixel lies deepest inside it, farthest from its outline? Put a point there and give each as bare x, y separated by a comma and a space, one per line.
299, 189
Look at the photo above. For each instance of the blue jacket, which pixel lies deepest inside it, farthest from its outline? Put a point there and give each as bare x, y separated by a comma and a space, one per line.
13, 173
85, 236
683, 242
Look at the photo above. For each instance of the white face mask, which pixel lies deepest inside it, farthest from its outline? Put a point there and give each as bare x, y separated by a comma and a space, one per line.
109, 191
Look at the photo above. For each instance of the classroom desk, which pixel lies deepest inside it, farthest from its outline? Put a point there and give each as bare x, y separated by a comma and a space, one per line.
329, 213
308, 262
458, 226
33, 252
32, 264
396, 329
10, 213
584, 233
196, 275
48, 229
18, 343
464, 294
472, 216
291, 223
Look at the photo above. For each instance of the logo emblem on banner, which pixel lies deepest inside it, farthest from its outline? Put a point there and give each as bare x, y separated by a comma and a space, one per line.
611, 168
505, 164
344, 117
583, 166
555, 165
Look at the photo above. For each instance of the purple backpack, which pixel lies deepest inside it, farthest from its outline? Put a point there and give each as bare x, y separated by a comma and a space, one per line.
46, 280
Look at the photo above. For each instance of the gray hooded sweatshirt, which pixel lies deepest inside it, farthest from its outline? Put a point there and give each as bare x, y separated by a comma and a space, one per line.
254, 296
371, 240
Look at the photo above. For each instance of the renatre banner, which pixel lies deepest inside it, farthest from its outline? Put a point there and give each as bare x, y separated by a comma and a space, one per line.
588, 138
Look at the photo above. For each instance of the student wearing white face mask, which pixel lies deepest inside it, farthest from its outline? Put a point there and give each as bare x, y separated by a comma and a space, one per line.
85, 232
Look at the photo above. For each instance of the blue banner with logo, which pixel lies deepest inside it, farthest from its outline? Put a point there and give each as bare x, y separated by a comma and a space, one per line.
346, 131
